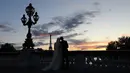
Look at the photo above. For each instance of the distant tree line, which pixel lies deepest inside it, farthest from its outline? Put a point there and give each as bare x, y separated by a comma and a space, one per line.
123, 43
7, 48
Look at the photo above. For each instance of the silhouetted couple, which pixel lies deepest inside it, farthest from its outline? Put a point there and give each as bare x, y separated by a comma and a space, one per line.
60, 56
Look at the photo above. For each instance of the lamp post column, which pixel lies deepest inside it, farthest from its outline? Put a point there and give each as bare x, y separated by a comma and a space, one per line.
28, 44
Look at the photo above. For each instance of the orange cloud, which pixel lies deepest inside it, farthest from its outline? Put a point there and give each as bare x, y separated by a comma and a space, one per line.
95, 45
44, 34
95, 42
125, 34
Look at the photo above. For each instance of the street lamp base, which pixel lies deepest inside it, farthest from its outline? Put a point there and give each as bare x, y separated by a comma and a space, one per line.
28, 44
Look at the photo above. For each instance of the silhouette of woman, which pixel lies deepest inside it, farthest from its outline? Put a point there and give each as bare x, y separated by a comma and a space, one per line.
57, 57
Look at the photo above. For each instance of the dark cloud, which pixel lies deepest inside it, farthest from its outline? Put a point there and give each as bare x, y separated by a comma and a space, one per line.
96, 3
89, 23
40, 43
69, 23
85, 30
71, 35
65, 24
39, 37
42, 30
101, 46
38, 30
6, 28
75, 41
57, 32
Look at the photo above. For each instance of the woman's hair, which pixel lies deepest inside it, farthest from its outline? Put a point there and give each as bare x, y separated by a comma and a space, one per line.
57, 43
58, 39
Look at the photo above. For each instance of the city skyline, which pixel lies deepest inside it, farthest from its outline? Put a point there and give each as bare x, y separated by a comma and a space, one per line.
85, 24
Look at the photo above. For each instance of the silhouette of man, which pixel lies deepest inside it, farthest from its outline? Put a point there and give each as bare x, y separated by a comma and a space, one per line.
64, 53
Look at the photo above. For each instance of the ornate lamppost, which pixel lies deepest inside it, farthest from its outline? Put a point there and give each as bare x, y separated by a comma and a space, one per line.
28, 44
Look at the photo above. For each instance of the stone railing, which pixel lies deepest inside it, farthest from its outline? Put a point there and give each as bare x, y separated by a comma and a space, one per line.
92, 59
101, 59
77, 59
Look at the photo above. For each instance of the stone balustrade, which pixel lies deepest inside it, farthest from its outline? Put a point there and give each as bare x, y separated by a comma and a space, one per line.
77, 59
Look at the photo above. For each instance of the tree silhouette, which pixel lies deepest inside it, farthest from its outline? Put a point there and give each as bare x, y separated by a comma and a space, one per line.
7, 48
123, 43
112, 45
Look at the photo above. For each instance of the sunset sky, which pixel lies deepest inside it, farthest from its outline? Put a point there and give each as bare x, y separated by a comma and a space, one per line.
85, 24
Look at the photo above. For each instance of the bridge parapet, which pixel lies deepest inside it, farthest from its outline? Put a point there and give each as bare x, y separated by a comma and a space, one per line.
79, 59
102, 59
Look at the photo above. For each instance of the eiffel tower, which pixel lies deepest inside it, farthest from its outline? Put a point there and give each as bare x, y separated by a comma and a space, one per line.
50, 46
